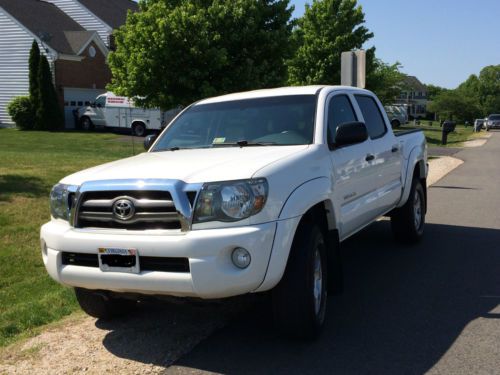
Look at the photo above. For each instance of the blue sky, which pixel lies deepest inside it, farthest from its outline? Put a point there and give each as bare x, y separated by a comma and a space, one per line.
441, 42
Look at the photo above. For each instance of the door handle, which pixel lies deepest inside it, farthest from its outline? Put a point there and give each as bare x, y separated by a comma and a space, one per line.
395, 149
370, 157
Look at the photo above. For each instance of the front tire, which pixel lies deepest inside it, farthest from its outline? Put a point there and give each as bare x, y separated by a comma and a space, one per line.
299, 300
86, 124
101, 305
407, 222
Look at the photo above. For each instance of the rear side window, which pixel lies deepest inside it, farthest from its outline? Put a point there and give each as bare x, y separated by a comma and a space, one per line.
339, 111
373, 118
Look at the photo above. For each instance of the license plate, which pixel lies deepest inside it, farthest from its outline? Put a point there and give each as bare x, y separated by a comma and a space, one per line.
112, 259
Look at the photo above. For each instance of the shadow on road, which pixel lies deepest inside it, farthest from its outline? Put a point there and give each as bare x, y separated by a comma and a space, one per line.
402, 309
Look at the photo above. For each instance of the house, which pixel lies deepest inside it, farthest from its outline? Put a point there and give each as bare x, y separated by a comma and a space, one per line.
413, 97
71, 33
102, 16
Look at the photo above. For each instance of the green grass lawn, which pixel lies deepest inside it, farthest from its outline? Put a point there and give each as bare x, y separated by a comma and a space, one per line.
30, 164
433, 134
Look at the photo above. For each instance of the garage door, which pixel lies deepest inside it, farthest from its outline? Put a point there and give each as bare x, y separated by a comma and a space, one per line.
76, 98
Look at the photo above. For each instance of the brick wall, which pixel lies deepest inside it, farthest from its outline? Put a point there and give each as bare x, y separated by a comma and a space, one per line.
90, 73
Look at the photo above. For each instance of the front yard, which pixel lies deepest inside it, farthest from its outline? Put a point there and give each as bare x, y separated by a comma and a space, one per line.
433, 134
30, 164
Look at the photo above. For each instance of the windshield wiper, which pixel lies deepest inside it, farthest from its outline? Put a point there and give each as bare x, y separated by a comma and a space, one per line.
244, 143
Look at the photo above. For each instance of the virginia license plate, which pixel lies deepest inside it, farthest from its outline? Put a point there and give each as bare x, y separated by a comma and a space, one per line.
113, 259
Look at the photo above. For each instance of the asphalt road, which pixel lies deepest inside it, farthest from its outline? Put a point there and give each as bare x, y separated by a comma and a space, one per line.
433, 307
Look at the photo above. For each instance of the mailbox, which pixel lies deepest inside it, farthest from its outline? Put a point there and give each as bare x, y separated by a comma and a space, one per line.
448, 127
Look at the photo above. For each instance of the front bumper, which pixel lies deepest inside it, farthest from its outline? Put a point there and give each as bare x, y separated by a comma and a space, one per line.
211, 274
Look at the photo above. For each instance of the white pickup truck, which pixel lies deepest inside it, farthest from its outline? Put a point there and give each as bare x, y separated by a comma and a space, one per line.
243, 193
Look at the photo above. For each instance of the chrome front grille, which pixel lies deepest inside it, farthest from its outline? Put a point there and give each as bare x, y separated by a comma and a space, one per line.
151, 210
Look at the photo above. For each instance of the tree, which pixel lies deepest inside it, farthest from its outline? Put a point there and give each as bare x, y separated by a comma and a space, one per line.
48, 113
433, 91
488, 89
34, 62
385, 80
176, 52
454, 105
327, 28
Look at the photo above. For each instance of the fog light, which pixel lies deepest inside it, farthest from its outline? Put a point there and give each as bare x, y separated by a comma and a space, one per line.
241, 257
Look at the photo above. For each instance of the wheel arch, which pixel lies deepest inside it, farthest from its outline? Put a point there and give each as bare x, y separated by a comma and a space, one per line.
309, 203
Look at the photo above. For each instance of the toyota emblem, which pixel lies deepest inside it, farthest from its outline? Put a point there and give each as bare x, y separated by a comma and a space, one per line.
123, 209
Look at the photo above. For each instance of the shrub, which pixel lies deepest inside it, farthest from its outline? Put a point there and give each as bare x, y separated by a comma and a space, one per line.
21, 111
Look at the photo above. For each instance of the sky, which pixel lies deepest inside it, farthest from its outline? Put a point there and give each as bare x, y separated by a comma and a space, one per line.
441, 42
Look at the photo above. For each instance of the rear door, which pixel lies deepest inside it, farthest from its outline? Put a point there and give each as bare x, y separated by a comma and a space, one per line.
352, 175
386, 152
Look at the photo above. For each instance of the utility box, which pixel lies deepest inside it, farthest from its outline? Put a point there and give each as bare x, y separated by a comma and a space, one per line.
353, 69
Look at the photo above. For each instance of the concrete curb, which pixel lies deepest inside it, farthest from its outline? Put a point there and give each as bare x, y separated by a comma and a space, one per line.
438, 168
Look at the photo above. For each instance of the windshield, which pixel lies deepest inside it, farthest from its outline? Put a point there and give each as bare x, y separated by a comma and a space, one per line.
283, 120
494, 117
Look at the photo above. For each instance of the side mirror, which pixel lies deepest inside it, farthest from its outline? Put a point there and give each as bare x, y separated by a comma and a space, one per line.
350, 133
149, 140
99, 105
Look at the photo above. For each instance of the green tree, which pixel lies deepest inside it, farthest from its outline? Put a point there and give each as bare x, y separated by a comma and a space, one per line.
48, 113
34, 62
433, 91
488, 88
454, 105
327, 28
176, 52
385, 80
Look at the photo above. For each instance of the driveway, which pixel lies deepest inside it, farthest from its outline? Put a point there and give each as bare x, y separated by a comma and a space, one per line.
433, 307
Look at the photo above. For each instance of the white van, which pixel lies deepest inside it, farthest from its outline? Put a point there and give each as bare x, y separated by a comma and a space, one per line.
113, 111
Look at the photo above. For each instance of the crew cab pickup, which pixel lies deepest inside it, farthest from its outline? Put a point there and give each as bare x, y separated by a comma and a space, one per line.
242, 193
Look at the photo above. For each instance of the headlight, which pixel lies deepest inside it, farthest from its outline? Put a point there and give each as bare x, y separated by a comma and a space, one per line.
230, 200
61, 201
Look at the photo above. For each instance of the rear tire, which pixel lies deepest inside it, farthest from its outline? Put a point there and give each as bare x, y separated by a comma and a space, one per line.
299, 300
101, 305
408, 221
139, 129
395, 124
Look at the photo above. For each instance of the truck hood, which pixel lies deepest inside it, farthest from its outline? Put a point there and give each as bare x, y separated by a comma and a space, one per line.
190, 166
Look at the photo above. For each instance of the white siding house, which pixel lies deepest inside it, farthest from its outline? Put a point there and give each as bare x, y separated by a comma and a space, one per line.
87, 19
15, 45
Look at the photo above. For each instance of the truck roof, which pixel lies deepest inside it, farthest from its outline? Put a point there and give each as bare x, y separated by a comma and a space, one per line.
281, 91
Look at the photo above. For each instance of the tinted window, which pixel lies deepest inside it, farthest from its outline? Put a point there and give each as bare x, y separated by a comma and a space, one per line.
339, 111
373, 118
282, 120
494, 117
101, 101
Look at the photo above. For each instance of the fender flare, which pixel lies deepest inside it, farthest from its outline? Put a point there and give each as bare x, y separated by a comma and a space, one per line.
300, 200
416, 159
307, 195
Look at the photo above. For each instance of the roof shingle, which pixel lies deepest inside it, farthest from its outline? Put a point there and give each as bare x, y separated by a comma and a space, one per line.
113, 12
49, 23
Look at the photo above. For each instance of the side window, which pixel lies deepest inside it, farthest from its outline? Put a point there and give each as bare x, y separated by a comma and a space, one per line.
100, 102
339, 111
373, 118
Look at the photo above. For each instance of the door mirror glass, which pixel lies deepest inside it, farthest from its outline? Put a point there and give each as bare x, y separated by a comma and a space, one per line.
149, 140
350, 133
